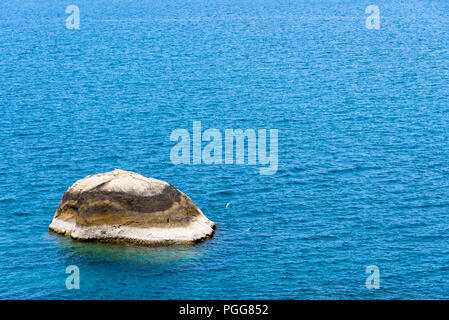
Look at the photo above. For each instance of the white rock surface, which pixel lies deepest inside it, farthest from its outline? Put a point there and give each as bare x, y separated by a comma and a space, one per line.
126, 206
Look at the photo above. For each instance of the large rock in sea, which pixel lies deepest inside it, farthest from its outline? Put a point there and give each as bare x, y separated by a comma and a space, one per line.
126, 206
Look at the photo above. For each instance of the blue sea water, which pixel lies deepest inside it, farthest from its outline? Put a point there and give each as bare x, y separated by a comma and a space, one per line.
363, 120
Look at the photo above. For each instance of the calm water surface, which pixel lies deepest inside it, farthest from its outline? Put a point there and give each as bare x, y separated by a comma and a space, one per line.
363, 126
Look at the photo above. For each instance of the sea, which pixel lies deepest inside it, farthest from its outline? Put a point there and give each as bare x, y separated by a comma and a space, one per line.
358, 207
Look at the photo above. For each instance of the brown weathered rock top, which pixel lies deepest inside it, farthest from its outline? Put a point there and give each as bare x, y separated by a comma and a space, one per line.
126, 206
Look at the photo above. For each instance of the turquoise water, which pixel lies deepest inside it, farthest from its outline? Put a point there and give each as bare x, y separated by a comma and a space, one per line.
363, 144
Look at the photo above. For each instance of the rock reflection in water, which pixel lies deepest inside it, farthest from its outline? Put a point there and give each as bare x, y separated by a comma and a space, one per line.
127, 253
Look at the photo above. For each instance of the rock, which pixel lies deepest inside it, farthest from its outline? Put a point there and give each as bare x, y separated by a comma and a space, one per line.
126, 206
